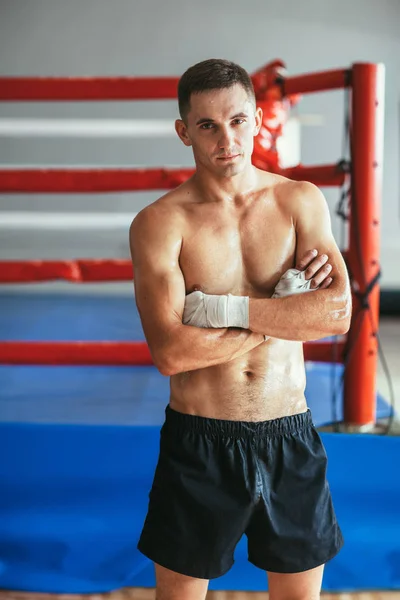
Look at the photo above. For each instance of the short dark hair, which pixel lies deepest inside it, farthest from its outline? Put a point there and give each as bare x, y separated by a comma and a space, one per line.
211, 74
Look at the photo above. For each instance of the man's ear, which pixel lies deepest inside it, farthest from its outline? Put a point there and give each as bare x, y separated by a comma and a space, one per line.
181, 130
258, 118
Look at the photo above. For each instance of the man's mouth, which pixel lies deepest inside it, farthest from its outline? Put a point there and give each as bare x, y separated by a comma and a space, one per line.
229, 157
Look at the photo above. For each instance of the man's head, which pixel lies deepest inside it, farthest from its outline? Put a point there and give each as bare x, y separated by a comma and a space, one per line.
219, 118
210, 75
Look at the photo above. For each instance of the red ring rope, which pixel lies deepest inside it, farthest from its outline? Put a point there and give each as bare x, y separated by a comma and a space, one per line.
134, 180
119, 353
75, 353
157, 88
90, 180
78, 271
87, 88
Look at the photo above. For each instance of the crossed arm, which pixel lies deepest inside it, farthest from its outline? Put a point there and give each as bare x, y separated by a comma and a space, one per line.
308, 316
155, 242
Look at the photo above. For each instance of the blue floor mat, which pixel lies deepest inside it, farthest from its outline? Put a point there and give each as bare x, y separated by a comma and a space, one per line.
73, 501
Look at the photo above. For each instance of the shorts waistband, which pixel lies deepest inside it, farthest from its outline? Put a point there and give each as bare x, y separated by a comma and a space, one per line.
241, 429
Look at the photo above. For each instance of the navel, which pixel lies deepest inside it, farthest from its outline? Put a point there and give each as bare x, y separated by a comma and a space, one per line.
249, 374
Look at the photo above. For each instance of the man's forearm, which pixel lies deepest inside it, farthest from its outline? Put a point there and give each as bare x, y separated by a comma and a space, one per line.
189, 348
302, 317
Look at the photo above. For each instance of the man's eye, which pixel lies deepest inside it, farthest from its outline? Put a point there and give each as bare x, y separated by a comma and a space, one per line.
207, 126
238, 121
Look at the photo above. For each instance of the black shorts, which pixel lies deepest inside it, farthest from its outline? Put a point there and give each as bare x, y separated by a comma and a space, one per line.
217, 480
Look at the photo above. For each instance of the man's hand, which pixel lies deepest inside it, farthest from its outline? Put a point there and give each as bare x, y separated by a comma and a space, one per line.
312, 273
316, 268
218, 311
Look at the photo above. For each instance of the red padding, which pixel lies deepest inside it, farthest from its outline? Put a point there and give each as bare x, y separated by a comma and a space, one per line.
116, 353
79, 271
90, 180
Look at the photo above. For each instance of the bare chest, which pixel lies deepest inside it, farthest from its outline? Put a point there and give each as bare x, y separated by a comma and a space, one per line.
239, 254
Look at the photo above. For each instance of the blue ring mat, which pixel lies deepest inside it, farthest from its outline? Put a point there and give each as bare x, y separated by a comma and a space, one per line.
108, 395
78, 448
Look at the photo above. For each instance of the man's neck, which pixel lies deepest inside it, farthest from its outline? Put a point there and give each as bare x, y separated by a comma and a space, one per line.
226, 189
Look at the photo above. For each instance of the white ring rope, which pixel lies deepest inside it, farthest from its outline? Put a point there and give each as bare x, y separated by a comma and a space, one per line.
20, 220
88, 128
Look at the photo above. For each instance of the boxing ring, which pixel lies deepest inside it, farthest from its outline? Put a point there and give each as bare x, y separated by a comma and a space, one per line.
81, 404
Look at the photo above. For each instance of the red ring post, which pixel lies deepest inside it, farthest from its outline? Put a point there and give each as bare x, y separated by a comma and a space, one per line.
363, 252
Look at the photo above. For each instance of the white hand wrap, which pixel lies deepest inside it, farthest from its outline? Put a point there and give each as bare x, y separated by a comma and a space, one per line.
205, 310
292, 282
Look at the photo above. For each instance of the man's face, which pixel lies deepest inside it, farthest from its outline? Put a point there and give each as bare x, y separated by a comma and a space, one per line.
220, 127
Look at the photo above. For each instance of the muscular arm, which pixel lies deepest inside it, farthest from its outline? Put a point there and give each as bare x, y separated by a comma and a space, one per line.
155, 242
320, 313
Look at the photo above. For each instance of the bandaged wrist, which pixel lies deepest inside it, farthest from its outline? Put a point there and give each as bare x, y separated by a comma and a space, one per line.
211, 310
238, 311
227, 311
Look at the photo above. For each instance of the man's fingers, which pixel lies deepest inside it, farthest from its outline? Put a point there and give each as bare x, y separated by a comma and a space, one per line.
321, 276
315, 266
325, 284
306, 260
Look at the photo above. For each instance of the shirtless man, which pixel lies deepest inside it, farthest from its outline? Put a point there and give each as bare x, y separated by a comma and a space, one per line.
239, 453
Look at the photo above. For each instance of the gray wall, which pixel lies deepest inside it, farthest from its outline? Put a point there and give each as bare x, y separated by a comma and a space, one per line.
150, 37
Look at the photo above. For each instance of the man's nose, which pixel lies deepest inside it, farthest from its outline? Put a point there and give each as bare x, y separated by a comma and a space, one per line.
225, 141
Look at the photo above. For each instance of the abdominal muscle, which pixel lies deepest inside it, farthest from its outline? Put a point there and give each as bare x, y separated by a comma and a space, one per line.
266, 383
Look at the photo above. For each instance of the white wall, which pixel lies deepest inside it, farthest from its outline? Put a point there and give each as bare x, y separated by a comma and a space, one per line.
150, 37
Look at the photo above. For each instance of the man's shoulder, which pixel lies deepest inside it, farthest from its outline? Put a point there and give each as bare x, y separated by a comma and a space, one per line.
286, 187
301, 201
295, 195
163, 213
160, 218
